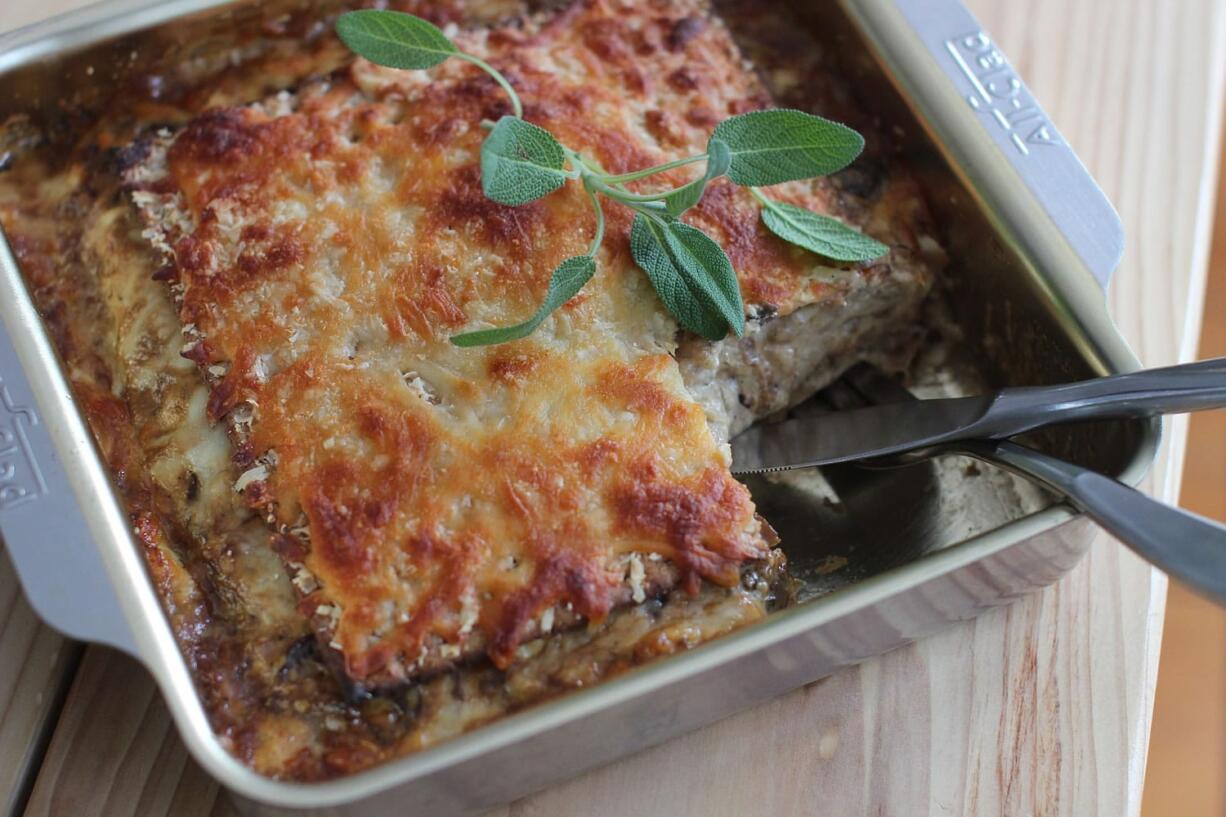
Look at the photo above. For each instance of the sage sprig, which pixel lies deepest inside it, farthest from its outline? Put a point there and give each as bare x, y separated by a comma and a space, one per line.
690, 272
780, 145
521, 162
719, 160
399, 40
564, 284
820, 234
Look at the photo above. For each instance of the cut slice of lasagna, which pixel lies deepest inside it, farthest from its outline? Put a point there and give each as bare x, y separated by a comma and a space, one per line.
432, 503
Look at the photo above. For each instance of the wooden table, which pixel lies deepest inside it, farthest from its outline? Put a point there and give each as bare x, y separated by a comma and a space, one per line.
1040, 708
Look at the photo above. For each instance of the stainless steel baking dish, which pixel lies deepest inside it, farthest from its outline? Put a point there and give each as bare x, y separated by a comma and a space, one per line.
1033, 243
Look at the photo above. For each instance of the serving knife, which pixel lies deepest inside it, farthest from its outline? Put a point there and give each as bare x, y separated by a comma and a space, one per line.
891, 429
1186, 546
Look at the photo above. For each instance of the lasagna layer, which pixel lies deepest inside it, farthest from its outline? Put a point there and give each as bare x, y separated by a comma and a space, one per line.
643, 82
431, 501
434, 502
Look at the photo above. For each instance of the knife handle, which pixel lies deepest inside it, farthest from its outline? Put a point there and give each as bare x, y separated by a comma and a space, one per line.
1170, 390
1182, 544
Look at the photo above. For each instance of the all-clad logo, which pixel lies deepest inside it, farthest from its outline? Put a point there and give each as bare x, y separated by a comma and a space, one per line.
20, 479
997, 91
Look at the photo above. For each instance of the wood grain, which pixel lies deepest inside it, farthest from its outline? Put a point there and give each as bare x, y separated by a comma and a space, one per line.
1040, 708
35, 667
1187, 766
115, 751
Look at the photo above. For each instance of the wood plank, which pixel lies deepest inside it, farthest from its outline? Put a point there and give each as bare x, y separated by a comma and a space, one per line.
1187, 764
1041, 707
1187, 767
115, 750
35, 668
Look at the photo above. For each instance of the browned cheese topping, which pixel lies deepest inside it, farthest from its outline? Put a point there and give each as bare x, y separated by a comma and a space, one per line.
323, 246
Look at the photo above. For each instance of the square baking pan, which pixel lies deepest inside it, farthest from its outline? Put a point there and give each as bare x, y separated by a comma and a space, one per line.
1032, 242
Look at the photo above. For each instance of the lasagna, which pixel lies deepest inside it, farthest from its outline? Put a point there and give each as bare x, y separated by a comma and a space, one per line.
367, 538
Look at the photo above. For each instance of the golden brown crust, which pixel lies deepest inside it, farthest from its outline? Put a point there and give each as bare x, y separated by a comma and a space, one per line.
252, 281
323, 247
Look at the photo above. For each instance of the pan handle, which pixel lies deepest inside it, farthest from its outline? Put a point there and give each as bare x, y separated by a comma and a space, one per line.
956, 75
42, 523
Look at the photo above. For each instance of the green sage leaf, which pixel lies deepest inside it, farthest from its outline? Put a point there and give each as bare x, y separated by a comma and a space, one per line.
696, 253
781, 145
564, 284
719, 159
691, 274
394, 39
521, 162
823, 235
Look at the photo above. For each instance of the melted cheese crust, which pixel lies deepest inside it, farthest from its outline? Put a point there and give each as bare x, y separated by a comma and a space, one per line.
435, 500
271, 687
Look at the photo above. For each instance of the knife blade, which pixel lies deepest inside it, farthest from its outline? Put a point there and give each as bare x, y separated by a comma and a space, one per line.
842, 436
895, 425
